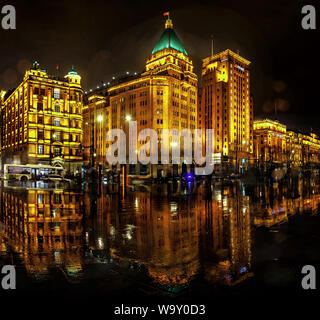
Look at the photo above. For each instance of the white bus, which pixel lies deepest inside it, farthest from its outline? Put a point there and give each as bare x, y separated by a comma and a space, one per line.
30, 171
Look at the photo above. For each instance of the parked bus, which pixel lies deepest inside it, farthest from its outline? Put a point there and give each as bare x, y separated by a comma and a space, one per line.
30, 171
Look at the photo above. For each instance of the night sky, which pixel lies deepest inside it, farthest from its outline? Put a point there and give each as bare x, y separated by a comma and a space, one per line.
104, 39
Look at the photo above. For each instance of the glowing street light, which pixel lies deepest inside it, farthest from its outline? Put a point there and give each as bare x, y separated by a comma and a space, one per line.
128, 117
100, 118
173, 144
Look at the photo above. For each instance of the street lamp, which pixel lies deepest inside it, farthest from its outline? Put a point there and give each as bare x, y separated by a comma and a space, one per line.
93, 136
128, 117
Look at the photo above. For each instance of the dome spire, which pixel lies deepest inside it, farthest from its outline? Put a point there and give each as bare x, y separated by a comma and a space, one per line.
72, 71
169, 38
169, 24
35, 65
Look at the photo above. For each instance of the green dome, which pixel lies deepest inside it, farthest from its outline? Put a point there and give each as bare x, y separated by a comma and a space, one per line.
169, 39
72, 71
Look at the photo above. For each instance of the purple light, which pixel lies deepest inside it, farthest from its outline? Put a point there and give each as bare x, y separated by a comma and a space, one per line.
243, 270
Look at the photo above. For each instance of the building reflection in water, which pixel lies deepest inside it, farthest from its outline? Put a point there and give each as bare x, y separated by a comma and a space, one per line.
274, 203
176, 232
44, 228
225, 234
167, 235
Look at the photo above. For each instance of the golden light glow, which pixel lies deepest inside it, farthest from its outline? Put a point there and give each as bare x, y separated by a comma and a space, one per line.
226, 105
95, 132
273, 142
47, 117
163, 97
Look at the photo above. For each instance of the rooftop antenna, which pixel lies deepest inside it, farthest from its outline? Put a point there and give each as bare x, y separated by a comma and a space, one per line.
211, 37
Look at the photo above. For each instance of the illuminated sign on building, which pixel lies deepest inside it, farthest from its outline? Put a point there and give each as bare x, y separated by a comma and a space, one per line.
239, 67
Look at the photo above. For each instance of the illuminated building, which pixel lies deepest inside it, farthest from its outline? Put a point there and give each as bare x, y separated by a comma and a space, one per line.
294, 148
310, 149
273, 143
2, 95
41, 120
227, 106
96, 124
164, 96
269, 141
251, 123
303, 149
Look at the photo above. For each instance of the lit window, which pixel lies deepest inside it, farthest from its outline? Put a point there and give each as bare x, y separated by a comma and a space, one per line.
56, 93
40, 149
56, 122
57, 151
40, 198
56, 136
57, 198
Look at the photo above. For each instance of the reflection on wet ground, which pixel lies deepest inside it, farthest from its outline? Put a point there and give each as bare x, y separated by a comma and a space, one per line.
169, 239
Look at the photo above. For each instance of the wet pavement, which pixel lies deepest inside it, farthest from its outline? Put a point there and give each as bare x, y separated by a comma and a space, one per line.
162, 242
